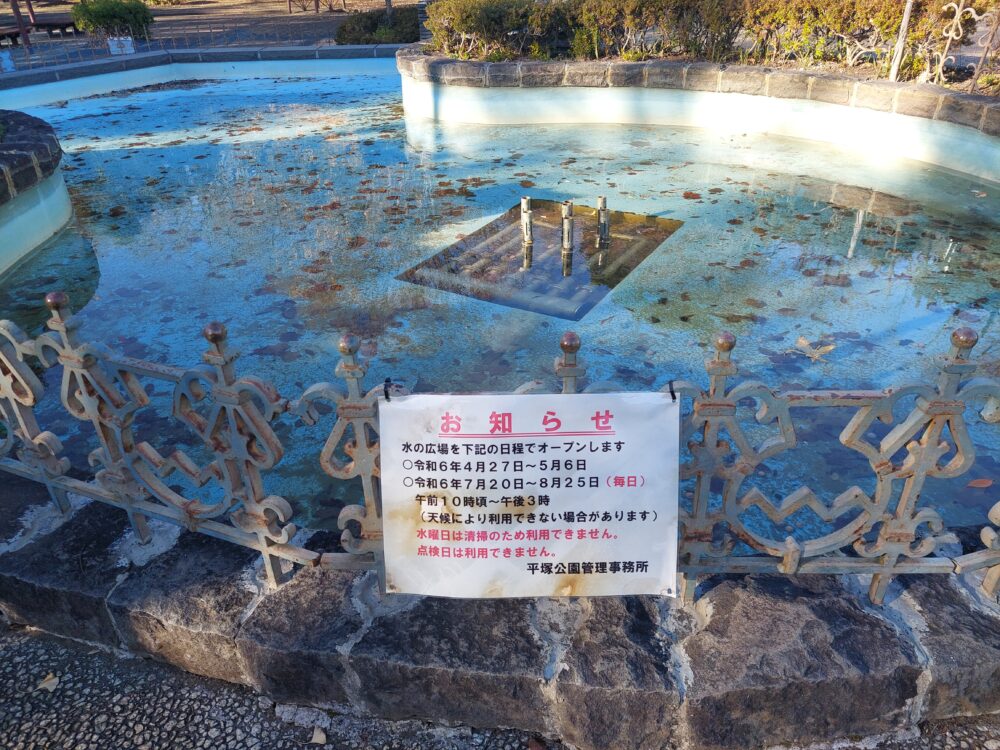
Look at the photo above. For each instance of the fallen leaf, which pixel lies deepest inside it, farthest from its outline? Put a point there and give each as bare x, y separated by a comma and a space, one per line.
319, 736
50, 683
815, 353
980, 484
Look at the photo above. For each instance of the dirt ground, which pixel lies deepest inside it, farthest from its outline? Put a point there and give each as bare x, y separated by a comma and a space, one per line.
215, 8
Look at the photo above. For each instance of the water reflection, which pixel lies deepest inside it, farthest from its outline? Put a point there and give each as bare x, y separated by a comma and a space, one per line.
66, 262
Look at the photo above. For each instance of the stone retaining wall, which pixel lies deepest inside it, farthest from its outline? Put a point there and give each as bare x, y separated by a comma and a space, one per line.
917, 100
29, 152
759, 661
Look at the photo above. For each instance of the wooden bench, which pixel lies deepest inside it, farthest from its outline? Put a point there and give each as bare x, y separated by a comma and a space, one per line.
10, 35
50, 24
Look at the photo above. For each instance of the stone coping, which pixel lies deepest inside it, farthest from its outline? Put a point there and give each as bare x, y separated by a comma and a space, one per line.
758, 661
194, 55
29, 152
928, 101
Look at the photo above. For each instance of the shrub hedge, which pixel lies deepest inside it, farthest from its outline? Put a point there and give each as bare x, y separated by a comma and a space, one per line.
852, 32
379, 27
113, 17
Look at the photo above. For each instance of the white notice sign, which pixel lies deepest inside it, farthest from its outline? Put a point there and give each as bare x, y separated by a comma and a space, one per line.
530, 495
121, 45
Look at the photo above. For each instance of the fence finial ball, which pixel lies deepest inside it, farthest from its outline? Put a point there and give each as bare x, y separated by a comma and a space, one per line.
349, 344
214, 332
56, 300
570, 343
725, 341
964, 338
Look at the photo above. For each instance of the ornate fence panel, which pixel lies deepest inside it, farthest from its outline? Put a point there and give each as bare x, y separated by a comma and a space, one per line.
885, 533
989, 57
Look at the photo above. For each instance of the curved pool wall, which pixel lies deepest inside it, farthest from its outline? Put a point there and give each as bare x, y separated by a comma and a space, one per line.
34, 202
178, 67
878, 121
32, 218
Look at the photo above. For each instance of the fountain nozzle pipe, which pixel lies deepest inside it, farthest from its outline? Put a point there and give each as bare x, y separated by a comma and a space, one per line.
527, 222
567, 226
603, 222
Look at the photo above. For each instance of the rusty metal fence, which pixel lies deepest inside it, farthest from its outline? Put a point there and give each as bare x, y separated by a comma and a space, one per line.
884, 534
986, 72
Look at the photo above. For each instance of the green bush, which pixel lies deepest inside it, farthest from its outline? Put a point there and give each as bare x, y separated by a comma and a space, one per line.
851, 32
378, 27
705, 28
631, 29
113, 17
481, 28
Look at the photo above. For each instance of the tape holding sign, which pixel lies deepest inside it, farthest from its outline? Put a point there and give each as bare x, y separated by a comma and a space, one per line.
530, 495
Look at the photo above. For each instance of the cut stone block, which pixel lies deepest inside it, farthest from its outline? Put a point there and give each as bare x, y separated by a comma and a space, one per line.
831, 90
794, 660
744, 80
961, 637
591, 74
478, 662
59, 582
295, 641
536, 74
184, 606
664, 74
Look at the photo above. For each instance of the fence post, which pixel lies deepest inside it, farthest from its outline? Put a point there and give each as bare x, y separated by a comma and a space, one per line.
991, 39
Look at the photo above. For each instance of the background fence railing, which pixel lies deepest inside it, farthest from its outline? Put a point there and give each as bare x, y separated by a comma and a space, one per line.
885, 533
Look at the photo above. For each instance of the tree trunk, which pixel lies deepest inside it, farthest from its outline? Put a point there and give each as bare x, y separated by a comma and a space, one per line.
897, 54
19, 20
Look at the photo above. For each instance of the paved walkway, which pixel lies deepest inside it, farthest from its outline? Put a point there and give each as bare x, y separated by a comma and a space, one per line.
97, 701
101, 702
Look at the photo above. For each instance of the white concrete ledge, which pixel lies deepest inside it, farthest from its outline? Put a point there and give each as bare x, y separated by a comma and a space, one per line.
31, 218
198, 65
876, 136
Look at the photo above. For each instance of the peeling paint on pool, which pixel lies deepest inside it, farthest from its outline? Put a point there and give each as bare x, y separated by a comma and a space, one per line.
288, 208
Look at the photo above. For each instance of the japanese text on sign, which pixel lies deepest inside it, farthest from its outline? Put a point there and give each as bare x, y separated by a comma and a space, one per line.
530, 495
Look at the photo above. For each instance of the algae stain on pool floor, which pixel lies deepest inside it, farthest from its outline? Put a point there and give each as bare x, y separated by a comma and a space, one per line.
289, 208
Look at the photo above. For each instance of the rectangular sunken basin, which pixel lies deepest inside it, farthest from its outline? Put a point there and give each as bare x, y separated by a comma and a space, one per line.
493, 264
